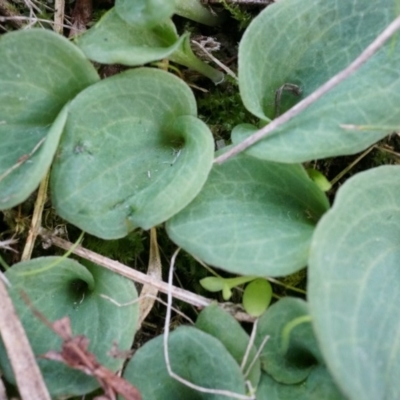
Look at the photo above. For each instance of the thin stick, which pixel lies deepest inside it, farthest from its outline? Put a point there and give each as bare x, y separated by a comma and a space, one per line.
249, 345
171, 373
216, 61
313, 97
349, 167
263, 343
36, 218
27, 374
137, 276
59, 7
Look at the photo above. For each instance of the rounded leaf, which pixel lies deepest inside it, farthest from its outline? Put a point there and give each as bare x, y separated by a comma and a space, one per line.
218, 323
195, 356
288, 45
59, 287
257, 296
133, 154
288, 355
354, 285
40, 72
252, 217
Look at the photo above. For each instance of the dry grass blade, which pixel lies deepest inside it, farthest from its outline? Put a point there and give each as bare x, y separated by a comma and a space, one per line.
149, 292
137, 276
36, 218
27, 374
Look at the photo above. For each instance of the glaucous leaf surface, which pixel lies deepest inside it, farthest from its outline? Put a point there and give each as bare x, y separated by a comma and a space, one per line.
354, 285
305, 46
289, 355
318, 386
145, 12
253, 217
60, 287
195, 356
133, 154
218, 323
40, 72
114, 41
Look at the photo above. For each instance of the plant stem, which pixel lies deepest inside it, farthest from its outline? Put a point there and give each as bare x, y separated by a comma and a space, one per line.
316, 95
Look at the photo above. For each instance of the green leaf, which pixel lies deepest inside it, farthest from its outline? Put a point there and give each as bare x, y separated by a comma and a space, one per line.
185, 56
217, 283
319, 179
318, 386
114, 41
195, 356
253, 217
257, 296
354, 285
305, 46
213, 283
138, 167
218, 323
289, 355
40, 72
196, 11
145, 12
70, 289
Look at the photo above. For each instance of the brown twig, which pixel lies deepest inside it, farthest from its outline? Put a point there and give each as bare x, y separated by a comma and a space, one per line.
27, 374
317, 94
137, 276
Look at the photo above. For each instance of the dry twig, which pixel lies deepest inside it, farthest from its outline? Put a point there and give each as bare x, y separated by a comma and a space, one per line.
27, 374
137, 276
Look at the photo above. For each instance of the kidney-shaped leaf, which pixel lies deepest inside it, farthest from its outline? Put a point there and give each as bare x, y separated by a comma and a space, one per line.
305, 46
195, 356
218, 323
60, 287
354, 285
253, 217
132, 155
291, 351
40, 72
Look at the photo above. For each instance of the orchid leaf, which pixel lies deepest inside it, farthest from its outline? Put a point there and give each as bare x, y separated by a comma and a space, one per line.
40, 73
195, 356
252, 217
354, 285
70, 289
137, 169
287, 47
